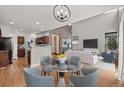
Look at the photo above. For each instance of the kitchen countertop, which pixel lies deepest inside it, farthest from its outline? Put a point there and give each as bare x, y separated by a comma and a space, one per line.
3, 50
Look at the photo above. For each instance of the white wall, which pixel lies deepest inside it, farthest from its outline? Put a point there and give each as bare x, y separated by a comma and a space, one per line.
96, 27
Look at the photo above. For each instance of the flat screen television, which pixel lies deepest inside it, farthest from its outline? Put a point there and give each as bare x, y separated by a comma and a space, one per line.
90, 43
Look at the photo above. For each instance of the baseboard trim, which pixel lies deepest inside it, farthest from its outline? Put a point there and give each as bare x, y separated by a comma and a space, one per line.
33, 65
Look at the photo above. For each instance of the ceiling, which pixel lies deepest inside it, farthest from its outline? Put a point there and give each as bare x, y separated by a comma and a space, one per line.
26, 16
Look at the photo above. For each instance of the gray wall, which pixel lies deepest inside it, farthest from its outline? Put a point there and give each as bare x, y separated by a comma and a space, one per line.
96, 27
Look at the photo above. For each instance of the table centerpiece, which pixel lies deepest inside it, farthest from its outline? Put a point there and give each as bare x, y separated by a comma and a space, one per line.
61, 58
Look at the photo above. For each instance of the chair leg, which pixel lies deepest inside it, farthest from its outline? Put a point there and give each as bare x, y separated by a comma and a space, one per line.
57, 76
42, 73
49, 73
72, 73
78, 73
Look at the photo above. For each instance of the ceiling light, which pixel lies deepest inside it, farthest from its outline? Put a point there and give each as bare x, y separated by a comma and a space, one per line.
11, 21
61, 13
42, 26
37, 23
69, 24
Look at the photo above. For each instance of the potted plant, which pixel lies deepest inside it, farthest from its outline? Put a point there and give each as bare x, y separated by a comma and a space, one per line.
112, 44
61, 58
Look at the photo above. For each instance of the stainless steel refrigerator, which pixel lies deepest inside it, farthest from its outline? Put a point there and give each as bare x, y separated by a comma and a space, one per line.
6, 44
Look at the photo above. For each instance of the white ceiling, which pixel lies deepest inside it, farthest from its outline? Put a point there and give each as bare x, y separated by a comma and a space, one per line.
26, 16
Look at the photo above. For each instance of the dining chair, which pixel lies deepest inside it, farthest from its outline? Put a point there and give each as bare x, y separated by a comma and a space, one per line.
47, 66
88, 79
74, 64
34, 79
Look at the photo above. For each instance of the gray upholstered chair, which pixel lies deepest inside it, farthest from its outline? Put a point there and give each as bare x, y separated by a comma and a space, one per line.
88, 79
34, 79
47, 66
74, 64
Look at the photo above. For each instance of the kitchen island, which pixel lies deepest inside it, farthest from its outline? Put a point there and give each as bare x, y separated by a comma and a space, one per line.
39, 51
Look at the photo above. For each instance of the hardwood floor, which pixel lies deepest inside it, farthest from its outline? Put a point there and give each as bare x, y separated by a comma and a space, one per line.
12, 76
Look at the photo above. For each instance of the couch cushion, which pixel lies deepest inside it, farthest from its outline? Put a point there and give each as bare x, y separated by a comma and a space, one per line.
85, 57
88, 69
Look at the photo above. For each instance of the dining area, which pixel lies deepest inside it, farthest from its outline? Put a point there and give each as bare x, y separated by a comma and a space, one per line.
61, 71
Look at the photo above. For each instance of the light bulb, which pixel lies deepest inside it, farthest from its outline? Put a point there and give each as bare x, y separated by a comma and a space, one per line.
58, 13
61, 10
37, 23
66, 13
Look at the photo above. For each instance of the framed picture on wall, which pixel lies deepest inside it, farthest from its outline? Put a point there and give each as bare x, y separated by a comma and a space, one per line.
113, 35
75, 38
75, 42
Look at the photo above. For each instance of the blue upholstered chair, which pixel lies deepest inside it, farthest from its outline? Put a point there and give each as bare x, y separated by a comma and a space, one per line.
108, 57
47, 66
34, 79
74, 64
88, 79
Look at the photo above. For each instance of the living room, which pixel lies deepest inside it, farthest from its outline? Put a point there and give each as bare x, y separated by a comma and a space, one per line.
37, 44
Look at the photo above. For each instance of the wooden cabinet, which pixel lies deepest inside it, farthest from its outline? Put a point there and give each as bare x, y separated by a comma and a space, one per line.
29, 57
45, 40
21, 52
21, 40
0, 33
38, 40
42, 40
4, 58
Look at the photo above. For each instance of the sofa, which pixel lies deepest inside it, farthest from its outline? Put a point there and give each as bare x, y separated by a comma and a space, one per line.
85, 56
92, 50
108, 57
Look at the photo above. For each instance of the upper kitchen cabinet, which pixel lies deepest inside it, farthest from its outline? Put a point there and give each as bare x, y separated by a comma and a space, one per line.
42, 40
21, 40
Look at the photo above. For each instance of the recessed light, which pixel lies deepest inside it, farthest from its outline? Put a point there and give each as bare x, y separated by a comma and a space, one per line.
69, 24
11, 21
37, 23
42, 26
